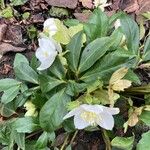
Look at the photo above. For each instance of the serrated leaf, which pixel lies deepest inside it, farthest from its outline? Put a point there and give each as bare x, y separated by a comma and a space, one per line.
10, 94
74, 48
93, 51
26, 125
123, 143
97, 26
131, 31
104, 68
47, 83
7, 83
144, 142
53, 111
24, 72
119, 74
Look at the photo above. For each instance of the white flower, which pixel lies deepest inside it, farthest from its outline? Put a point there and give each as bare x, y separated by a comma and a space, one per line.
50, 27
91, 115
101, 4
117, 24
31, 109
47, 52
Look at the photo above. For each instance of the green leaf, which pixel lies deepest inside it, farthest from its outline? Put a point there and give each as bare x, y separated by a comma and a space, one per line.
68, 147
145, 117
52, 113
97, 25
19, 58
132, 77
26, 125
132, 33
74, 48
146, 54
62, 34
47, 83
123, 143
24, 72
10, 94
57, 69
42, 141
104, 68
74, 88
7, 12
19, 139
7, 83
144, 142
92, 52
8, 109
71, 22
147, 15
18, 2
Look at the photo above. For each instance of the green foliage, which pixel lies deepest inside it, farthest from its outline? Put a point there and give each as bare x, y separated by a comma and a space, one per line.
6, 12
18, 2
144, 142
80, 74
123, 143
52, 113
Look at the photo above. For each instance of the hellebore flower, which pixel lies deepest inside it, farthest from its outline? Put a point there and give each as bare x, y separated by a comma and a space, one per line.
101, 4
31, 109
91, 115
50, 27
47, 52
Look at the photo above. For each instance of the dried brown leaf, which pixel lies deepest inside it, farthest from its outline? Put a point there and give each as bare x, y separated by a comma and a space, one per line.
6, 47
87, 3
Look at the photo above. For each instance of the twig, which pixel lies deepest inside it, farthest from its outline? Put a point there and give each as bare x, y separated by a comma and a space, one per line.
74, 136
106, 139
65, 142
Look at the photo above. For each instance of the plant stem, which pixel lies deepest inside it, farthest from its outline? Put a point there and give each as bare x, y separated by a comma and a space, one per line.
74, 136
106, 139
65, 142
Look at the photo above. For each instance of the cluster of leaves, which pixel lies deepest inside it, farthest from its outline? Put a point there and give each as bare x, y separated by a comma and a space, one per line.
86, 77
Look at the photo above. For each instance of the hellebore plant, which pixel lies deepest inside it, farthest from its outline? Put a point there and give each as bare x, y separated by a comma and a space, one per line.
81, 77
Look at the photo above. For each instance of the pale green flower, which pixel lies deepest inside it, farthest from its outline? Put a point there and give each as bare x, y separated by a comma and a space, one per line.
91, 115
101, 4
31, 109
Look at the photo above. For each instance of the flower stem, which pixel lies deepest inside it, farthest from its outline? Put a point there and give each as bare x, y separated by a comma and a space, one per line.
65, 142
74, 136
106, 139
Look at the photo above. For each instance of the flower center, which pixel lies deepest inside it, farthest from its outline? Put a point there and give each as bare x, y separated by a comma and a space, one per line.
89, 117
46, 54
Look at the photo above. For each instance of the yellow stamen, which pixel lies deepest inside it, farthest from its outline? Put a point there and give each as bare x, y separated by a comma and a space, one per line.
46, 54
90, 117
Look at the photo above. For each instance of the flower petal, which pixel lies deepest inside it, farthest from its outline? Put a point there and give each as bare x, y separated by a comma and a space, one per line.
51, 26
46, 63
92, 108
106, 121
46, 44
79, 122
110, 110
72, 113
